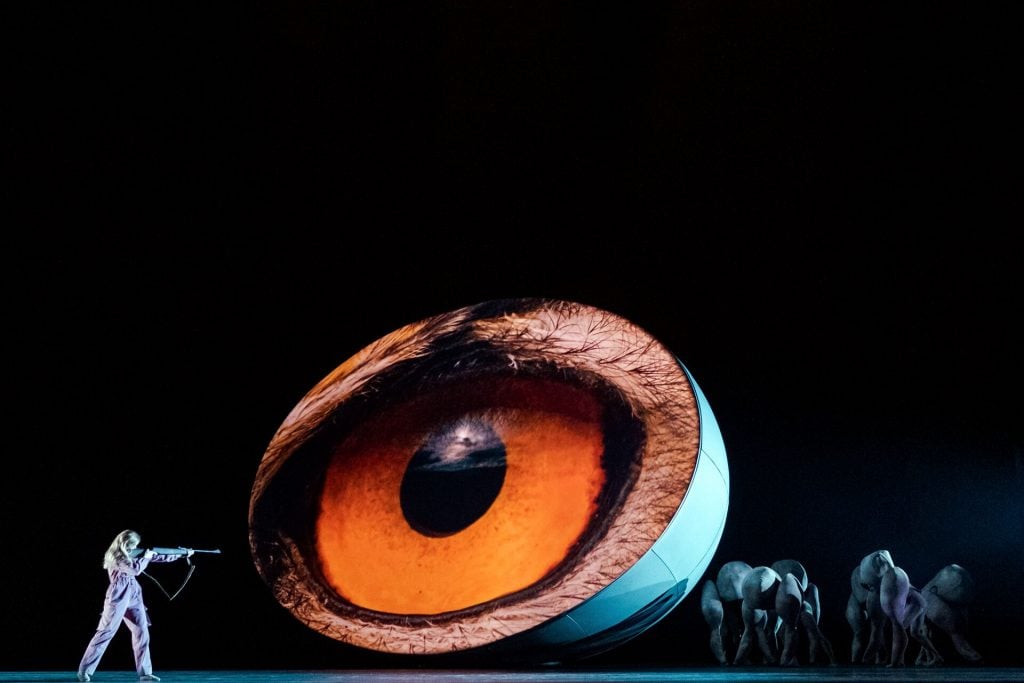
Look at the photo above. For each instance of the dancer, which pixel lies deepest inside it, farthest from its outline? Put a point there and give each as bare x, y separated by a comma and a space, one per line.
123, 601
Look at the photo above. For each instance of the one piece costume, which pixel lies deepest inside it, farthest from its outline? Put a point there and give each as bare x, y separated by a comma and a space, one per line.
123, 601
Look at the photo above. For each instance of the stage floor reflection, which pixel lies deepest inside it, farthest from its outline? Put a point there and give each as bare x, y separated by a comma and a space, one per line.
667, 675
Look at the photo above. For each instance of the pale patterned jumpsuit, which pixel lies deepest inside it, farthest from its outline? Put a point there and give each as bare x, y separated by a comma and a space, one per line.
124, 601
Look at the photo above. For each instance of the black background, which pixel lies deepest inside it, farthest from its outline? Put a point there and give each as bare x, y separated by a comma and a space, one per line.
212, 205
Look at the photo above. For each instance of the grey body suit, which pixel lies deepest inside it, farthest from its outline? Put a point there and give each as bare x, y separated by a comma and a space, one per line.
123, 601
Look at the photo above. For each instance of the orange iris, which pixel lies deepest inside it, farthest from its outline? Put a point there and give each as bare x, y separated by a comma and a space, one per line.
553, 445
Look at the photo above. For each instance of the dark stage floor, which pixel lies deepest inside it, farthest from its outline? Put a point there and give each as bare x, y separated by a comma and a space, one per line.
774, 675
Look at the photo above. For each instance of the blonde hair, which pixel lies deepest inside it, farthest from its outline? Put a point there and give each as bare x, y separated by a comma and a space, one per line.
115, 553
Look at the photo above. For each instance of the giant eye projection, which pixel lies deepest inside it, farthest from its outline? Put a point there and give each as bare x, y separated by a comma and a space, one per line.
536, 480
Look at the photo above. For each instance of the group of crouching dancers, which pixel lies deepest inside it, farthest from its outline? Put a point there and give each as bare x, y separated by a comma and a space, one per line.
771, 614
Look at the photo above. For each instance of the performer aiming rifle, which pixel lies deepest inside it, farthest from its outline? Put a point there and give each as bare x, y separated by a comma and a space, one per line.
124, 560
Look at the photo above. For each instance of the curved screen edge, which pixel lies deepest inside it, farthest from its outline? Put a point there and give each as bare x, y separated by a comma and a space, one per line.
660, 579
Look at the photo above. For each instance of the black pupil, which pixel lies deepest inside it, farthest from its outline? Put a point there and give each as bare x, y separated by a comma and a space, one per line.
453, 478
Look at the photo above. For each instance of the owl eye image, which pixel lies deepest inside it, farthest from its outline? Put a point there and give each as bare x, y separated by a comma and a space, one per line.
532, 479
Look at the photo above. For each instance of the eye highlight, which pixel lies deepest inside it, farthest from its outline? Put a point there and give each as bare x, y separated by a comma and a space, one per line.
471, 477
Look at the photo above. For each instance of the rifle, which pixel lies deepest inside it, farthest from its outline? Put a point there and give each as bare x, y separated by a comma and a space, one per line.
159, 550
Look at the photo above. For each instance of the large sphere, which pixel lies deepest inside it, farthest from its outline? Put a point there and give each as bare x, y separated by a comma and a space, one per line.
531, 479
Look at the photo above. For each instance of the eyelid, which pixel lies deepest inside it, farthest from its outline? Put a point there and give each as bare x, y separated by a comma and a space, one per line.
594, 342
